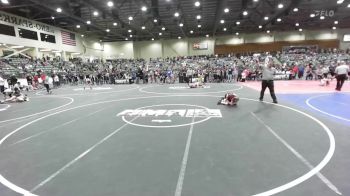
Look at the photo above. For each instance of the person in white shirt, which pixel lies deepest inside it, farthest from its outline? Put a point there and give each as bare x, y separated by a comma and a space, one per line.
56, 81
87, 82
341, 74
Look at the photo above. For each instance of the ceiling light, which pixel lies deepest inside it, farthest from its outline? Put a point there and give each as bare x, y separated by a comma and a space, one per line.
225, 29
179, 37
199, 26
237, 33
279, 20
129, 30
163, 28
322, 18
155, 20
82, 35
78, 26
268, 31
334, 28
144, 8
130, 36
115, 24
5, 1
126, 39
197, 4
340, 1
191, 32
238, 23
107, 30
207, 35
181, 24
222, 21
312, 15
95, 13
152, 39
199, 17
296, 24
300, 30
255, 0
88, 22
59, 10
245, 13
336, 22
295, 9
266, 18
176, 14
349, 5
46, 50
52, 17
143, 27
226, 10
160, 34
280, 6
130, 18
15, 47
260, 27
110, 3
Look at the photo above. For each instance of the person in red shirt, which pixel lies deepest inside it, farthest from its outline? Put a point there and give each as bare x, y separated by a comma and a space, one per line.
295, 71
35, 81
43, 77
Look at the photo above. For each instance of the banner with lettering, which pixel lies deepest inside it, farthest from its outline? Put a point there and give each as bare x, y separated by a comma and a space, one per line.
6, 18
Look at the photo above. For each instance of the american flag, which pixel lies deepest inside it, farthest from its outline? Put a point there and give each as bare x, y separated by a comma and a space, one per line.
68, 38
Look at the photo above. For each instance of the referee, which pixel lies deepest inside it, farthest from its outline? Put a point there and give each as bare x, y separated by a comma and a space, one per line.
341, 74
267, 81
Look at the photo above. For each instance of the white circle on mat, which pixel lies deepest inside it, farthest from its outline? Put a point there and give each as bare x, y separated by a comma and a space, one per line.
272, 191
324, 112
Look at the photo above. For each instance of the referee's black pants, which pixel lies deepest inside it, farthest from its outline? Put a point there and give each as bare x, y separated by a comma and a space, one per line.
47, 86
340, 81
268, 84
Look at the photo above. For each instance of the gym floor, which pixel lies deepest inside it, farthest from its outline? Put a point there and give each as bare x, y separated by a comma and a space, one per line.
78, 142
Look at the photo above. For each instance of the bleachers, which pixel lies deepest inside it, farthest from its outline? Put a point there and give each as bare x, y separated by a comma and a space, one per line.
8, 70
20, 64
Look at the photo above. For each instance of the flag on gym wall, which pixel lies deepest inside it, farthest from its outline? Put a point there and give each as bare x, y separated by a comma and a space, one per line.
68, 38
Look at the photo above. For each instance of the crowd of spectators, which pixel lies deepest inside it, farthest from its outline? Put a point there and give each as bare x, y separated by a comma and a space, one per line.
230, 68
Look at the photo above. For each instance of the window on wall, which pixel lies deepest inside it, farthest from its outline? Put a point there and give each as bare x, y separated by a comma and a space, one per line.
7, 30
27, 34
346, 38
47, 38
